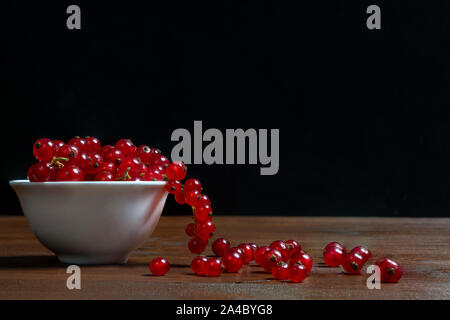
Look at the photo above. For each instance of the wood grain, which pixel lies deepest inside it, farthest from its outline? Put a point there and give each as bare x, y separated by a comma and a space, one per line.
29, 271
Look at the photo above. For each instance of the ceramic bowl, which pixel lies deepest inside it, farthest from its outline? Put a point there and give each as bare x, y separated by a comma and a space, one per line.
91, 222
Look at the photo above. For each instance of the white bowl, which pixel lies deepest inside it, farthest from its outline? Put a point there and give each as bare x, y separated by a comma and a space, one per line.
91, 222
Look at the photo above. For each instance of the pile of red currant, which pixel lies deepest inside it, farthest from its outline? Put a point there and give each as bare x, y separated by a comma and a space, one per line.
335, 255
86, 160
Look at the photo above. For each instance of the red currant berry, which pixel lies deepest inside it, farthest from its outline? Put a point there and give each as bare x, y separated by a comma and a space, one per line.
192, 197
353, 262
30, 175
107, 148
95, 163
192, 184
80, 143
111, 154
198, 265
190, 229
293, 246
335, 244
281, 246
176, 171
232, 261
58, 144
333, 257
380, 261
44, 149
179, 197
153, 175
197, 245
297, 272
154, 156
259, 255
203, 212
127, 147
161, 161
220, 246
363, 252
254, 247
271, 258
69, 173
143, 152
390, 271
84, 162
43, 171
93, 145
204, 199
205, 229
172, 186
213, 267
281, 271
107, 166
248, 252
69, 152
159, 266
104, 176
304, 259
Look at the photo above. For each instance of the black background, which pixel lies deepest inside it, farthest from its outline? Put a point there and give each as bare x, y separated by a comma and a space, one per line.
363, 114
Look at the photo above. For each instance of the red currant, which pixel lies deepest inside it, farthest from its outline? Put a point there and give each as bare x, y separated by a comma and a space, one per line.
96, 161
93, 145
304, 258
281, 271
197, 245
203, 212
204, 199
190, 229
179, 197
30, 173
280, 246
104, 176
205, 229
297, 272
58, 144
259, 255
254, 247
69, 173
192, 184
248, 252
333, 257
232, 261
213, 267
80, 143
293, 246
69, 152
176, 170
192, 197
44, 149
198, 265
84, 162
43, 171
390, 271
153, 175
127, 147
172, 186
335, 244
363, 252
111, 154
143, 152
353, 262
271, 258
159, 266
107, 166
220, 246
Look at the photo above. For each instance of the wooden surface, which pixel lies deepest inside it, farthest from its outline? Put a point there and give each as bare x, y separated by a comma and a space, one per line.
422, 246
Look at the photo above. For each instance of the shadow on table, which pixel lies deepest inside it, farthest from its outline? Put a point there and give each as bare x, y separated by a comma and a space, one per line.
29, 262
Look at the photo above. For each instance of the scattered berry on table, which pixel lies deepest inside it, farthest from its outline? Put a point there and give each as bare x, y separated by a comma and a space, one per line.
281, 271
297, 272
390, 270
363, 252
198, 265
213, 267
232, 261
333, 257
352, 263
159, 266
220, 246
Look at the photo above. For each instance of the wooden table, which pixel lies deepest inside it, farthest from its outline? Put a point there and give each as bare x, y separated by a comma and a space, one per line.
422, 246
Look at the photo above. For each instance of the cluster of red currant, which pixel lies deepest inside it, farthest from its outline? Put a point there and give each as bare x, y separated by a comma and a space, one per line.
335, 255
86, 160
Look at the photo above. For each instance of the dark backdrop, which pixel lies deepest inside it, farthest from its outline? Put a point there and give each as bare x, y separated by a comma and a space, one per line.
363, 115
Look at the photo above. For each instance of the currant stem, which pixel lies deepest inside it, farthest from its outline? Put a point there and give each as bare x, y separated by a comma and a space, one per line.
56, 161
126, 176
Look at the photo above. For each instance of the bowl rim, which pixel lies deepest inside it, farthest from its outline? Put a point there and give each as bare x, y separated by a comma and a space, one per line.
73, 183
